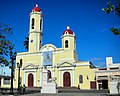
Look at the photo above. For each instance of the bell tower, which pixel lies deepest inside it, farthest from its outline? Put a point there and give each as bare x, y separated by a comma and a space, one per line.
35, 30
68, 39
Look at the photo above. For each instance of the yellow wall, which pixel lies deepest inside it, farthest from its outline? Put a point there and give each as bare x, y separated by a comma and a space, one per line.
71, 42
59, 59
37, 18
85, 71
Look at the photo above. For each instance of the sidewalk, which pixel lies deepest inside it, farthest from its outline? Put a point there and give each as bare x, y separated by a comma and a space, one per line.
66, 94
62, 92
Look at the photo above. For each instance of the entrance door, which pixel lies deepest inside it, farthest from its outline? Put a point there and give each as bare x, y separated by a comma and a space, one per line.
93, 85
66, 79
105, 84
30, 80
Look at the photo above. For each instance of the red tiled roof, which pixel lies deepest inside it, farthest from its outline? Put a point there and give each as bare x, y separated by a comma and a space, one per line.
36, 8
68, 31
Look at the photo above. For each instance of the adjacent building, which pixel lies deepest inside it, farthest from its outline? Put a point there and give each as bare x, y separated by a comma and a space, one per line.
109, 74
4, 76
5, 81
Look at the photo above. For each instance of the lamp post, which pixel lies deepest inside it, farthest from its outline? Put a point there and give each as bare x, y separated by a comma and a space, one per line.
19, 65
12, 57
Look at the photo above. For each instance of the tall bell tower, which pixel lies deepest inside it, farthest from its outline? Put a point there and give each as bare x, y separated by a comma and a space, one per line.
35, 30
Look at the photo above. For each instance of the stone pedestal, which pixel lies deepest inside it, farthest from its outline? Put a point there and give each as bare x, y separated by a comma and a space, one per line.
48, 86
114, 88
44, 77
114, 84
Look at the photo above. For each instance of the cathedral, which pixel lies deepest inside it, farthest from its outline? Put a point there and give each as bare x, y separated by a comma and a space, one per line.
61, 63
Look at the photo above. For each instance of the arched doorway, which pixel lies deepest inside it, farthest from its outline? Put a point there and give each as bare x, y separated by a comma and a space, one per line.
66, 79
49, 74
30, 80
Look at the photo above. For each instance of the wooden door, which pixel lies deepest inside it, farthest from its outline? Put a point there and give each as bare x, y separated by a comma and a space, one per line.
30, 80
93, 85
105, 84
66, 79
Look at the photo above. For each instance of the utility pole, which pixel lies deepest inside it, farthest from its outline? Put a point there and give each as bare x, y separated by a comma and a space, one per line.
19, 65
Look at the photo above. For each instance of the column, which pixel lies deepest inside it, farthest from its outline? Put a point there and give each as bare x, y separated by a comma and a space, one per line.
35, 78
41, 60
24, 77
35, 36
38, 42
53, 59
73, 77
53, 71
59, 77
41, 68
40, 76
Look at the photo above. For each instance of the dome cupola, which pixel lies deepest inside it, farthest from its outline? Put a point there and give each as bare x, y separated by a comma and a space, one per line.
68, 31
36, 9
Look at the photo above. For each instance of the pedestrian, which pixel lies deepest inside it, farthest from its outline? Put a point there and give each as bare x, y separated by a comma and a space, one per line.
24, 88
118, 87
78, 87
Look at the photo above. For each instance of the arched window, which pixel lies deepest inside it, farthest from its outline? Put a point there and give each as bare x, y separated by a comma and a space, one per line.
66, 44
41, 24
33, 23
80, 79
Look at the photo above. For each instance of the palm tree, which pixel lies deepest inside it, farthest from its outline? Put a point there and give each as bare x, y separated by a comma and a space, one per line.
26, 43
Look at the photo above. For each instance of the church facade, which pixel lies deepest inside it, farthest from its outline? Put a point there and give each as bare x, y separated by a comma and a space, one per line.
61, 63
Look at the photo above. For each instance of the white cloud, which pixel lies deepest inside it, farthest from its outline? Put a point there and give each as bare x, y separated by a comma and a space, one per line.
101, 64
94, 59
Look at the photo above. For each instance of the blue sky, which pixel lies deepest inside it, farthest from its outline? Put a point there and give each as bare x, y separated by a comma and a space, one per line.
85, 17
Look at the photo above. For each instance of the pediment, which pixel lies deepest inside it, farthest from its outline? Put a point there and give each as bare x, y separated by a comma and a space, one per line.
66, 64
30, 66
48, 47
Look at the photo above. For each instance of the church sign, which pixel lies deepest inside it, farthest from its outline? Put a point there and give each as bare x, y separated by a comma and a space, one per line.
47, 58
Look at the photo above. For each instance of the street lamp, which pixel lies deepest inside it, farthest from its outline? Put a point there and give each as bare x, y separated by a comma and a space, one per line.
19, 65
12, 57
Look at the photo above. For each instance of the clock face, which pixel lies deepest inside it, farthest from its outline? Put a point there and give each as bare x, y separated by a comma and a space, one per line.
31, 40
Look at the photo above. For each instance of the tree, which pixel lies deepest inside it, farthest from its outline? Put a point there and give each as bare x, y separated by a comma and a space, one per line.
114, 8
26, 43
5, 44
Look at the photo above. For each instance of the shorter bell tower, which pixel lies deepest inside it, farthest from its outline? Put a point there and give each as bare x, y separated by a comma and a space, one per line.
68, 39
35, 30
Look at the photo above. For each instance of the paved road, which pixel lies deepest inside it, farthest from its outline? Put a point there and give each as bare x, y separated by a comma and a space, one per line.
66, 94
